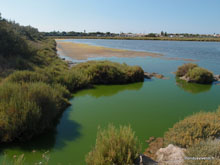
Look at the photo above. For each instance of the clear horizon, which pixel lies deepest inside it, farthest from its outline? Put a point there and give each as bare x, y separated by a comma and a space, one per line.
135, 16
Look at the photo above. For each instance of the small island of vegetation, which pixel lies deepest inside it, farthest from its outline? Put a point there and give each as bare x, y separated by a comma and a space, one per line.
195, 74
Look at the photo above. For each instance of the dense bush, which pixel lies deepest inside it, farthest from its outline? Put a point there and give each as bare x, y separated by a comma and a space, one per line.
183, 70
209, 149
99, 72
74, 80
114, 146
26, 76
193, 129
107, 72
12, 44
200, 75
192, 73
28, 109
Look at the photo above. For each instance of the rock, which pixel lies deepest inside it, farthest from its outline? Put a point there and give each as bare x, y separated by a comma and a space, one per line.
147, 75
171, 155
185, 78
154, 144
150, 75
216, 77
63, 59
144, 160
159, 76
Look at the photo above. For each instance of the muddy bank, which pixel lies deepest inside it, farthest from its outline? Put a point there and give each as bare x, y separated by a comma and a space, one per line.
80, 51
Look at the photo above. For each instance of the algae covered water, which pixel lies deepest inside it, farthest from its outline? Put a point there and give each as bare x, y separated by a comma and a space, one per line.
150, 107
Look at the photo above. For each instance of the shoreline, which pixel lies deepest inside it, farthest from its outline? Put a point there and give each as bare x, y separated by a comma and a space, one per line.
139, 38
79, 51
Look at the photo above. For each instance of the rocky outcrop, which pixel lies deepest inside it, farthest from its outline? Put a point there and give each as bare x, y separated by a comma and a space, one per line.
171, 155
150, 75
187, 79
216, 77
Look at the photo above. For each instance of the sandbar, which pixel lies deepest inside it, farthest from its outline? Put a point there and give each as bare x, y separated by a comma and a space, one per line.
79, 51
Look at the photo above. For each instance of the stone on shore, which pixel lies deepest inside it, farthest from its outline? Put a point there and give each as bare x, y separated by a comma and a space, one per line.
216, 77
171, 155
150, 75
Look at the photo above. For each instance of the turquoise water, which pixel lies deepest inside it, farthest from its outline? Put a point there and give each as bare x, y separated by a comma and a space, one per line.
150, 107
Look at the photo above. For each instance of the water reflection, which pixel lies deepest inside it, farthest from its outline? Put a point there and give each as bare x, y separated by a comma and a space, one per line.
192, 87
110, 90
65, 130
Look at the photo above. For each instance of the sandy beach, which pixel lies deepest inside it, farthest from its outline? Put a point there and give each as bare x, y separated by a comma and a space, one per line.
80, 51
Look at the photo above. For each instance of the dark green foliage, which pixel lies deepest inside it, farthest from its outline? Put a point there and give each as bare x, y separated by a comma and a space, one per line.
200, 75
26, 76
114, 146
11, 43
209, 149
74, 80
91, 73
194, 129
21, 47
192, 73
29, 109
18, 113
106, 72
183, 70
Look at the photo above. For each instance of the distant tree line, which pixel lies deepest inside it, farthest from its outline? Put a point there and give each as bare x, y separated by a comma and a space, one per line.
73, 33
109, 34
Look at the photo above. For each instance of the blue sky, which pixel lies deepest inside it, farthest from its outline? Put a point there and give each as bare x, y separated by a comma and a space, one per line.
137, 16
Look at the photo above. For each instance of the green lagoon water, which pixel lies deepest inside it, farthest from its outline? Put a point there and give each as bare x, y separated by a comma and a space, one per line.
150, 108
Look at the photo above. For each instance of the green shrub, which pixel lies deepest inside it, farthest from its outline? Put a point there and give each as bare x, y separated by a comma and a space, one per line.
193, 129
91, 73
26, 76
200, 75
28, 109
193, 73
50, 101
114, 146
74, 80
107, 72
18, 114
183, 70
205, 149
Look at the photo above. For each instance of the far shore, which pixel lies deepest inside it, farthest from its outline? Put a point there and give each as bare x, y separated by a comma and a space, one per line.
195, 39
80, 51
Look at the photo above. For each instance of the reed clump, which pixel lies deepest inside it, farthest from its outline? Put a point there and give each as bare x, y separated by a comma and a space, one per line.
114, 146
